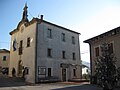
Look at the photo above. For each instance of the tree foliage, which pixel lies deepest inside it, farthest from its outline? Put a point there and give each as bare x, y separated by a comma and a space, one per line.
106, 71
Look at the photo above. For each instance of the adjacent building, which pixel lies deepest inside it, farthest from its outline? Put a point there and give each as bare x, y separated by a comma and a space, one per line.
111, 37
4, 61
42, 50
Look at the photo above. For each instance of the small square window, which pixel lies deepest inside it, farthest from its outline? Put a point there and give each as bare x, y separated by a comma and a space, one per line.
4, 58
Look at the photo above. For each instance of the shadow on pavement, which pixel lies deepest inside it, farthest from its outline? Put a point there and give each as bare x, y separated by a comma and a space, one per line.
10, 82
81, 87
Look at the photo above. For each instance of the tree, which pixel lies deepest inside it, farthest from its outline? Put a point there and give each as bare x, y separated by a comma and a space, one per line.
105, 68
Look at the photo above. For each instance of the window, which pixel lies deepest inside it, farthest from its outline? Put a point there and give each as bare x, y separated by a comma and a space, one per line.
74, 72
74, 56
28, 42
26, 70
63, 37
4, 58
49, 72
73, 40
49, 33
110, 48
21, 47
49, 52
63, 54
97, 51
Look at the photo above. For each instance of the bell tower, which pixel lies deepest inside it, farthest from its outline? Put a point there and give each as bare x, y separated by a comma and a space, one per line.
24, 17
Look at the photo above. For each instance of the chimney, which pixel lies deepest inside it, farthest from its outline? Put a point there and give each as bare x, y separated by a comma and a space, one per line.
41, 17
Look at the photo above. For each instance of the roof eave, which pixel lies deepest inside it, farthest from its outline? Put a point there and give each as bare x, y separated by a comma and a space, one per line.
60, 26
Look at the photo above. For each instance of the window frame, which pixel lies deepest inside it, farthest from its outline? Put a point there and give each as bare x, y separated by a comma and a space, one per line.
63, 37
28, 42
74, 56
49, 73
73, 40
97, 51
21, 47
49, 33
4, 58
49, 52
74, 72
41, 70
63, 54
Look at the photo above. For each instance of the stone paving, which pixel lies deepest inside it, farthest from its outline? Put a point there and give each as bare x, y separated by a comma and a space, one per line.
7, 83
54, 86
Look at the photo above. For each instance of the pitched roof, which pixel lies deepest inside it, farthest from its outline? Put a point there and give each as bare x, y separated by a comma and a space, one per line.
103, 35
60, 27
4, 50
40, 21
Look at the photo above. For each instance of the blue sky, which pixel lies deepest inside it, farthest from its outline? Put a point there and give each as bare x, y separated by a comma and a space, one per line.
88, 17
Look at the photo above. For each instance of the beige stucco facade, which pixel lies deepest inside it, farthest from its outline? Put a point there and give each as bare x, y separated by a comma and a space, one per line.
27, 58
112, 36
42, 56
4, 58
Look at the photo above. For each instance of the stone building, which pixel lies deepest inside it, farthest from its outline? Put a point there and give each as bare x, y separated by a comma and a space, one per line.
4, 60
111, 37
44, 51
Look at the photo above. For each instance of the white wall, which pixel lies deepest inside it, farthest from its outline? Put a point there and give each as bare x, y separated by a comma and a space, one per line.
57, 46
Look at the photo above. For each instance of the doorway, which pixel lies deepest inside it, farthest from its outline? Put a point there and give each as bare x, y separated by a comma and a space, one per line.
63, 74
49, 72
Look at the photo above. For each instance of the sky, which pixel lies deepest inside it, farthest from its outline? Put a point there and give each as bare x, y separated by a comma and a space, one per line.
88, 17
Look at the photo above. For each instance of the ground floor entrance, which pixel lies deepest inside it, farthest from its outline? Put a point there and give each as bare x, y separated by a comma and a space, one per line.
63, 74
